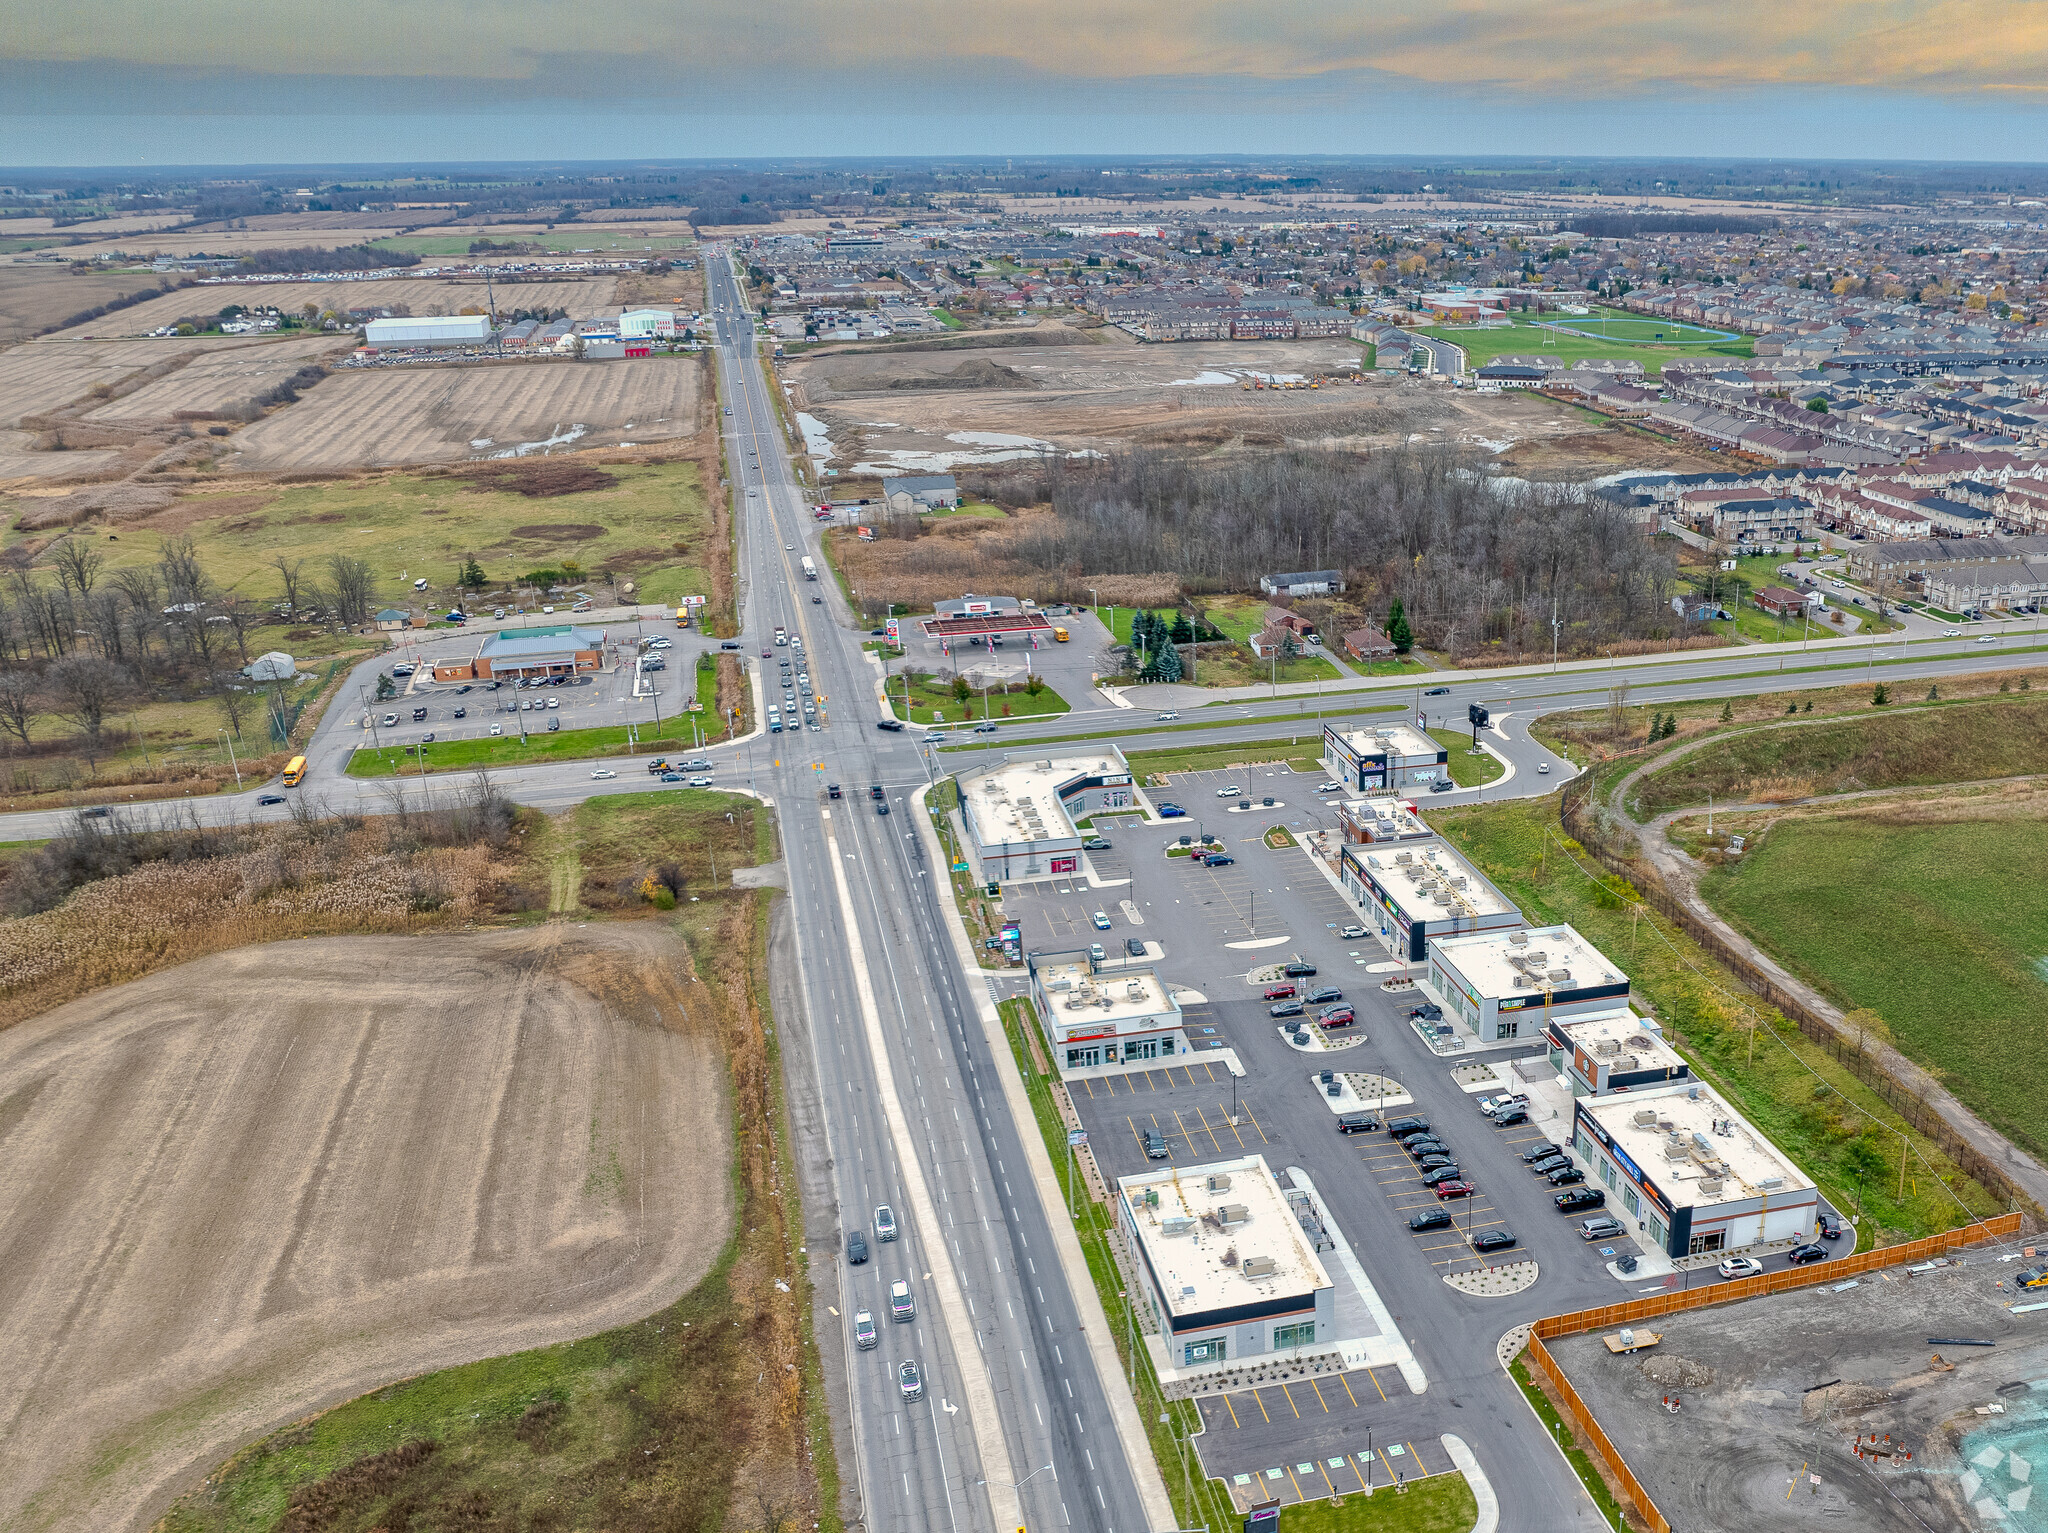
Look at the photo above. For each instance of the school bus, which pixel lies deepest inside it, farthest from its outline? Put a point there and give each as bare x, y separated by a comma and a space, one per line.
294, 771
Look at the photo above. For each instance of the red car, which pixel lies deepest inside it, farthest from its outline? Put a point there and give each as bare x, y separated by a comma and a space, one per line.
1280, 992
1455, 1189
1338, 1016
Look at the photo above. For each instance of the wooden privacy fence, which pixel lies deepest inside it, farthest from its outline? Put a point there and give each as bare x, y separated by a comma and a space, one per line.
1582, 823
1636, 1311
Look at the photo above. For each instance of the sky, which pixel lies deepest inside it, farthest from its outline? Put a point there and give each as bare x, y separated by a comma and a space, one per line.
284, 81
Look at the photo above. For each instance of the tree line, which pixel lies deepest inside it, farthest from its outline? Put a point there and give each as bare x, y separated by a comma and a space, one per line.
1475, 562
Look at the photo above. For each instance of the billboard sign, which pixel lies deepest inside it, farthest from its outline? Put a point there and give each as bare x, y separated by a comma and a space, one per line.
895, 633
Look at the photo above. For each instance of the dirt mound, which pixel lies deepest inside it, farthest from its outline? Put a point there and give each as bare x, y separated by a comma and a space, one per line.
561, 532
1672, 1371
978, 373
111, 502
539, 478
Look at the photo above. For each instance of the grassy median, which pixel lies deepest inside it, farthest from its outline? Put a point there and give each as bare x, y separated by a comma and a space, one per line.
510, 750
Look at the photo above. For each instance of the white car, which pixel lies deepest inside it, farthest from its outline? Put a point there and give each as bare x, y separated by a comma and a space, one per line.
1232, 791
1330, 787
789, 548
1951, 633
603, 772
1351, 933
697, 782
1987, 638
661, 643
1740, 1267
1543, 769
1164, 718
497, 729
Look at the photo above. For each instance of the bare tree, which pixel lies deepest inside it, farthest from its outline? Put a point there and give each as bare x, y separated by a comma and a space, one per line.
83, 689
353, 590
234, 703
288, 571
77, 564
242, 616
18, 691
178, 563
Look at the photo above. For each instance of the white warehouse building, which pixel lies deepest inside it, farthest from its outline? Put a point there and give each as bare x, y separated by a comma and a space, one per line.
428, 330
646, 322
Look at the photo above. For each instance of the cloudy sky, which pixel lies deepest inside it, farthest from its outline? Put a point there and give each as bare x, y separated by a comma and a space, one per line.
268, 81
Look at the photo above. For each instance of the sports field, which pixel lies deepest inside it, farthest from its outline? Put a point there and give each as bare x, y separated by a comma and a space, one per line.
1579, 338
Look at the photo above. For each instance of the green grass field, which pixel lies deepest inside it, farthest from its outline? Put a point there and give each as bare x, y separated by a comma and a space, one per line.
1237, 620
1467, 770
1942, 929
1524, 337
509, 750
1298, 751
931, 703
653, 527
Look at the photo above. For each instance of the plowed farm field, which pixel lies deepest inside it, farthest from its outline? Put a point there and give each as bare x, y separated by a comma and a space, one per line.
379, 417
46, 374
257, 1185
581, 296
222, 377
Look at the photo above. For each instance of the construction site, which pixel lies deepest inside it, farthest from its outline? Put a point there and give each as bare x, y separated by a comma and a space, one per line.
1910, 1397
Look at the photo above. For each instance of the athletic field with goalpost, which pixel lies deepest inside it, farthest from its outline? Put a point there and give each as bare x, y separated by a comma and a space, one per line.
1598, 336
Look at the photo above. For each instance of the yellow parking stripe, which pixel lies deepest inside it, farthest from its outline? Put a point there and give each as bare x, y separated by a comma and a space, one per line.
1341, 1379
1233, 1413
1255, 1122
1204, 1117
1418, 1459
1091, 1087
1319, 1396
1377, 1385
1261, 1404
1290, 1402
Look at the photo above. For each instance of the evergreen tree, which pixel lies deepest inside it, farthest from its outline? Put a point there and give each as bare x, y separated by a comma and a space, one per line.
1398, 632
472, 577
1183, 630
1166, 665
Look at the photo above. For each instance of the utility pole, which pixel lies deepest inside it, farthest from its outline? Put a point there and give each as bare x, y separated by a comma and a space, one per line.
1553, 635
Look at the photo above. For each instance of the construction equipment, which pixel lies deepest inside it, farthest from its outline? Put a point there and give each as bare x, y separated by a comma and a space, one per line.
1937, 1364
2033, 1277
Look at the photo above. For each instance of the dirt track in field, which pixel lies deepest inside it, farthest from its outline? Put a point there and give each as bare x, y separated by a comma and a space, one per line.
379, 417
260, 1184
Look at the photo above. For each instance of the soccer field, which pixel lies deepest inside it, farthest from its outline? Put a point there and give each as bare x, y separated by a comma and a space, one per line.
1586, 337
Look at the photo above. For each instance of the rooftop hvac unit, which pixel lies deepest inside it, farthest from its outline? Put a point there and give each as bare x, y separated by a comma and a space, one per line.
1710, 1186
1524, 982
1640, 1041
1234, 1213
1702, 1143
1518, 939
1606, 1046
1404, 857
1179, 1224
1218, 1181
1676, 1148
1187, 1290
1645, 1116
1559, 976
1259, 1267
1771, 1184
1626, 1063
1062, 983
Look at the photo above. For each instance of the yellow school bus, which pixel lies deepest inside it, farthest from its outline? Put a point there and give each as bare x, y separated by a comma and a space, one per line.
294, 771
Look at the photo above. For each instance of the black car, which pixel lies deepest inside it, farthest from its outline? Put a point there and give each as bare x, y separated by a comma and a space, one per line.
730, 644
1327, 993
1580, 1197
1566, 1176
1135, 946
894, 726
264, 800
1357, 1123
1298, 970
1830, 1227
1799, 1256
1285, 1009
1493, 1240
1399, 1127
1439, 1174
1434, 1159
1435, 1219
462, 713
1511, 1117
1438, 692
1423, 1145
883, 807
856, 1248
1224, 860
1155, 1146
1551, 1163
1542, 1151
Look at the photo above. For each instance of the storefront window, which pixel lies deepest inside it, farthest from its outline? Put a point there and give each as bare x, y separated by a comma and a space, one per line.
1199, 1352
1635, 1204
1302, 1335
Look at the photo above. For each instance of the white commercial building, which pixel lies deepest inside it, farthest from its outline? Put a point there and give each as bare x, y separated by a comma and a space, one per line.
428, 330
1020, 814
1612, 1051
1224, 1264
1415, 891
646, 322
1384, 758
1102, 1012
1510, 985
1689, 1174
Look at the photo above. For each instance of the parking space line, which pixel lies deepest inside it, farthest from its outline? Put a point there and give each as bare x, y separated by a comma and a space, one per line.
1091, 1087
1233, 1413
1298, 1491
1185, 1132
1255, 1122
1341, 1379
1324, 1470
1204, 1117
1351, 1463
1312, 1384
1418, 1458
1377, 1385
1261, 1404
1140, 1138
1392, 1475
1290, 1402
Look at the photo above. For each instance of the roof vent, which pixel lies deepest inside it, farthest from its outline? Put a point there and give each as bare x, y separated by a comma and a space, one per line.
1234, 1213
1179, 1224
1218, 1181
1645, 1116
1259, 1267
1710, 1186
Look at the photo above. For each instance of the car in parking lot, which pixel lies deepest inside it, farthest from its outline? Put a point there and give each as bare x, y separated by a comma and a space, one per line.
1172, 812
864, 1333
1431, 1219
1325, 994
1442, 785
1491, 1105
856, 1248
1540, 1152
1135, 946
1508, 1117
1493, 1240
1101, 921
1566, 1176
1799, 1256
1231, 791
1454, 1189
910, 1381
1350, 933
1433, 1161
1829, 1227
1299, 971
1331, 787
1438, 692
1419, 1145
1740, 1267
1279, 993
1357, 1123
1219, 860
1337, 1016
390, 719
1401, 1127
1570, 1202
1155, 1145
1436, 1176
1286, 1009
497, 729
1095, 844
1557, 1160
1601, 1227
265, 799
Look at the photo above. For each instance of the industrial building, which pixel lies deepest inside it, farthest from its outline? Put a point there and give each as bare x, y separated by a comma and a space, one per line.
1422, 890
1223, 1264
1104, 1013
427, 330
644, 323
1020, 815
1690, 1173
1612, 1051
510, 653
1383, 758
1514, 984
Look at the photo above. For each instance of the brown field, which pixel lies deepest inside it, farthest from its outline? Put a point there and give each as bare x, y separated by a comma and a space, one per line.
19, 460
382, 416
222, 377
256, 1185
33, 298
896, 409
581, 296
42, 376
120, 223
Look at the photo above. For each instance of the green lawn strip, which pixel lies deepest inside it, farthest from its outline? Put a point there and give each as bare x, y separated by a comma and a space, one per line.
1208, 758
1525, 338
1467, 770
1151, 728
969, 897
1938, 927
931, 702
947, 318
1210, 1505
1442, 1503
509, 750
979, 508
1560, 1431
707, 694
1791, 1088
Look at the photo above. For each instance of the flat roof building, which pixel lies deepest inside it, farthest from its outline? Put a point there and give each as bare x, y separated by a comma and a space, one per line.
1380, 819
429, 330
1690, 1173
1382, 758
1511, 984
1414, 892
1612, 1051
1224, 1264
557, 650
1105, 1013
1020, 815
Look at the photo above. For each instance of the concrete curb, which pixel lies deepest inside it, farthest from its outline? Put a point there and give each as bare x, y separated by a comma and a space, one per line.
1123, 1407
1467, 1465
1393, 1347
